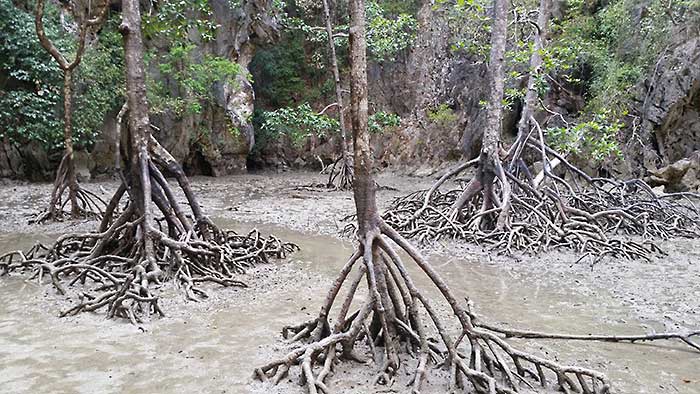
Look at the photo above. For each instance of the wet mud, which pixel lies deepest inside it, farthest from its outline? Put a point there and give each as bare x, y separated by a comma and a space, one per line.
213, 346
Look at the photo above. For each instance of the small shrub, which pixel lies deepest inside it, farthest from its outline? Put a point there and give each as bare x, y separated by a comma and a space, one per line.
378, 122
443, 116
595, 138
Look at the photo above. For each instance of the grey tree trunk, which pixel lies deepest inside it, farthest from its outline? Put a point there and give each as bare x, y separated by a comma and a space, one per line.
342, 176
364, 186
489, 160
524, 125
492, 133
139, 123
336, 77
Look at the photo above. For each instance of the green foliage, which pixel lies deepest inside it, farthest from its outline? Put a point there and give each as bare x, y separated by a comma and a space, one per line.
174, 20
443, 116
298, 123
302, 122
596, 138
398, 7
30, 81
387, 36
469, 24
617, 45
599, 49
195, 79
192, 75
295, 70
99, 84
380, 121
31, 95
606, 52
389, 30
511, 96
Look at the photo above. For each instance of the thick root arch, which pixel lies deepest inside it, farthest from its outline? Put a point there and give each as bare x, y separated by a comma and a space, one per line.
397, 319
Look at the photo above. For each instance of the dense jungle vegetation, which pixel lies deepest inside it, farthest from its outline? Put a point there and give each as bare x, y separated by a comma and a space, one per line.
438, 173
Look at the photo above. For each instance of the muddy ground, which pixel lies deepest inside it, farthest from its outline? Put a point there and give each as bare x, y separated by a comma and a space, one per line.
212, 346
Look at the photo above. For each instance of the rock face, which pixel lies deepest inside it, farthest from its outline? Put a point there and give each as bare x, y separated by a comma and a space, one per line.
669, 107
28, 161
217, 140
102, 155
427, 75
11, 165
681, 176
431, 75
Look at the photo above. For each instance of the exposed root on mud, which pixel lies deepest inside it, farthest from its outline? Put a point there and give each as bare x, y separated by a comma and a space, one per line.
340, 176
130, 256
83, 203
685, 337
398, 318
509, 206
341, 173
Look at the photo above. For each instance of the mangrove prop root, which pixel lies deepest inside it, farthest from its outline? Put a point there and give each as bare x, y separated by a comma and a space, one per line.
124, 281
340, 176
685, 337
559, 207
82, 203
122, 265
397, 319
341, 173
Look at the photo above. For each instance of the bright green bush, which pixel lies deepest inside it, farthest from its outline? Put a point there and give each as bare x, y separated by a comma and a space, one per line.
299, 123
442, 116
595, 138
380, 121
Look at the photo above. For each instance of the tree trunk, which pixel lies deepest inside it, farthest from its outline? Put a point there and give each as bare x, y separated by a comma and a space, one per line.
520, 208
66, 177
68, 142
336, 77
524, 124
396, 316
343, 178
364, 187
489, 160
139, 123
492, 133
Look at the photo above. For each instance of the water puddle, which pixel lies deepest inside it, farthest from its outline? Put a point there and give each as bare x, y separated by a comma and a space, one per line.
212, 347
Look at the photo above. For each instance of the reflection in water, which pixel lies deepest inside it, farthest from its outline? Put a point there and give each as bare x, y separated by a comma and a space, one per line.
211, 347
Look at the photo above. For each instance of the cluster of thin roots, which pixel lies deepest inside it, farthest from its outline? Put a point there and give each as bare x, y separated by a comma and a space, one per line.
121, 266
341, 173
560, 207
78, 202
395, 321
115, 274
